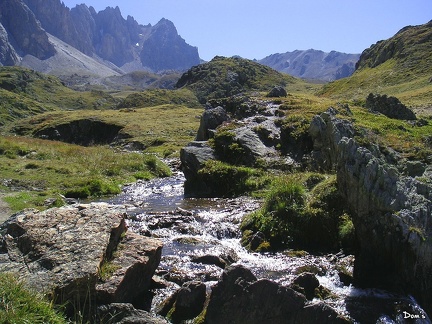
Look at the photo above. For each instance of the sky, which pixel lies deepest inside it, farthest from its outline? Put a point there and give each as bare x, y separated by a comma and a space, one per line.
254, 29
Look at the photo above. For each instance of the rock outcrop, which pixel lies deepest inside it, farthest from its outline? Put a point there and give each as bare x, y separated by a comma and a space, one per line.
249, 140
239, 297
25, 30
391, 211
389, 106
79, 255
8, 55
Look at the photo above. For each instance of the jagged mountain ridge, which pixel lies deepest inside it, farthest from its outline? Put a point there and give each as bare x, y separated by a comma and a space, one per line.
313, 64
25, 26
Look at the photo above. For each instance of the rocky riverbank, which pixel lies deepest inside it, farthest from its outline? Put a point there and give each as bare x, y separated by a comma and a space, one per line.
387, 195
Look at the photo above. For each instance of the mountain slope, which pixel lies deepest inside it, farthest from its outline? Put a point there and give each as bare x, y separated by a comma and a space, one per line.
25, 26
25, 93
312, 64
400, 66
67, 60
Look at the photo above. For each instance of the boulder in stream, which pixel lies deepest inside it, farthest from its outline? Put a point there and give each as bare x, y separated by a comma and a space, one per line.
239, 297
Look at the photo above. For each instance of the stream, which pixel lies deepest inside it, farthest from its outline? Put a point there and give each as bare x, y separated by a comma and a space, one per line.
201, 236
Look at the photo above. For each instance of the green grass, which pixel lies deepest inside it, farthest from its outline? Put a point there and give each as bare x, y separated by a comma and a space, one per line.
162, 129
35, 170
385, 79
20, 305
157, 97
25, 93
300, 211
412, 140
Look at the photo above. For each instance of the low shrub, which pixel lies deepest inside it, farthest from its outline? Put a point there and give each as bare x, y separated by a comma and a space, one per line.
300, 217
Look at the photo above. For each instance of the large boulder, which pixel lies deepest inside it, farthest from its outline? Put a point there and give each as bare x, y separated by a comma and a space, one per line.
239, 297
135, 262
389, 106
277, 91
60, 252
186, 303
210, 120
193, 157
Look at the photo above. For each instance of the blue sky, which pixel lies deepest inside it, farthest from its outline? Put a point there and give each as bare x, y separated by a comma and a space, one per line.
255, 29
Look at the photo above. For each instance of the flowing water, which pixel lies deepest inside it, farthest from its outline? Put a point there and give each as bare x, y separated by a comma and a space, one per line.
202, 235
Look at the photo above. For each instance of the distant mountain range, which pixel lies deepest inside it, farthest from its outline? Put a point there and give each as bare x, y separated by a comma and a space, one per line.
313, 64
48, 37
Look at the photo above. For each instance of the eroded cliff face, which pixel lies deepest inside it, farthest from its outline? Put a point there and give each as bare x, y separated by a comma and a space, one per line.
8, 56
391, 210
24, 32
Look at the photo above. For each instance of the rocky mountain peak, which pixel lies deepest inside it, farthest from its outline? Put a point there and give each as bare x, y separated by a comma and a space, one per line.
26, 26
155, 54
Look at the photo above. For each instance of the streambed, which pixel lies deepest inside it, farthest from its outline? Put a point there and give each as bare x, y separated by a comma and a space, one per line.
201, 236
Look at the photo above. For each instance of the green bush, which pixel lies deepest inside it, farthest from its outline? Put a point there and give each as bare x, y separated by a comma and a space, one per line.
156, 166
77, 193
300, 212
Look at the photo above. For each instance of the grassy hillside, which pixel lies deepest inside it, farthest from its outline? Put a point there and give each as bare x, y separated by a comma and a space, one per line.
24, 93
400, 66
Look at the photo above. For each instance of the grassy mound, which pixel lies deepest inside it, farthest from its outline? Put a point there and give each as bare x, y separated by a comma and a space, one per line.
24, 93
224, 77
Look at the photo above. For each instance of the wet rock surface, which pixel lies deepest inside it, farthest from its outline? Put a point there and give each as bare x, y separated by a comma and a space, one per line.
123, 313
239, 297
